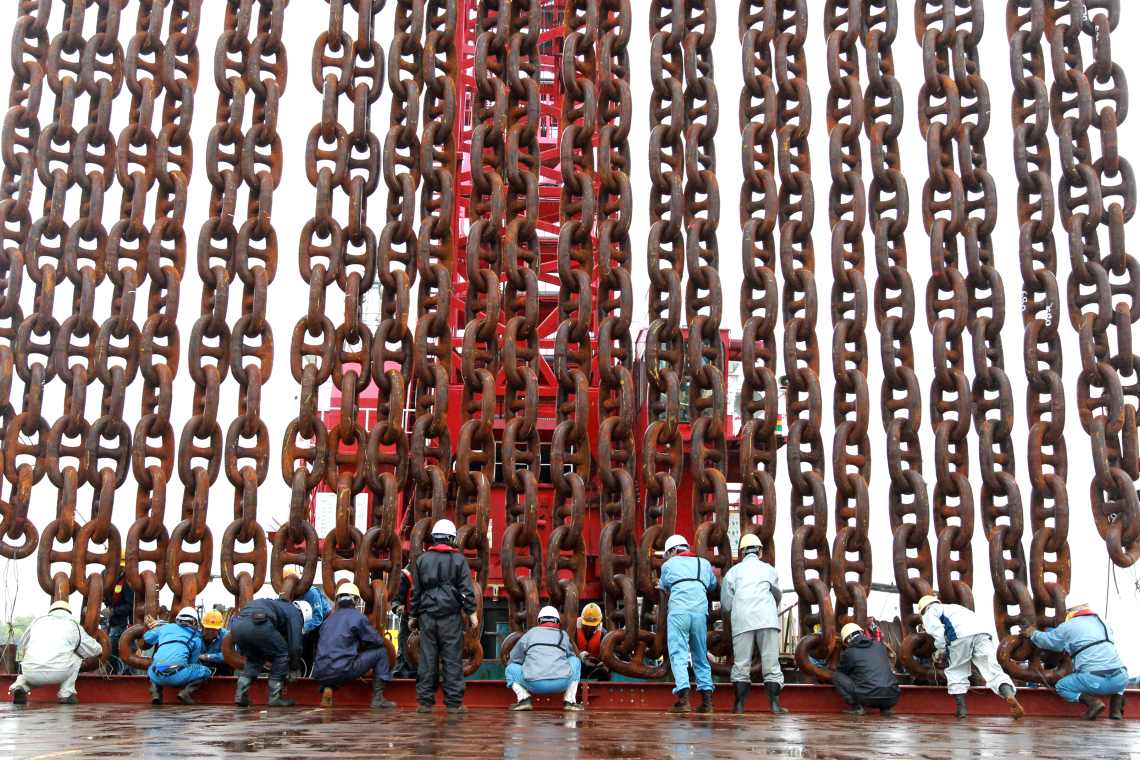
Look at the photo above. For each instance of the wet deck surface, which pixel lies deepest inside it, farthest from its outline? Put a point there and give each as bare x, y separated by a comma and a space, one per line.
106, 731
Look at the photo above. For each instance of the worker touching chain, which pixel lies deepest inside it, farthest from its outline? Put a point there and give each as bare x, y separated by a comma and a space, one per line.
543, 662
349, 648
961, 641
53, 647
443, 594
588, 633
268, 631
402, 608
175, 662
751, 595
865, 677
1097, 668
689, 579
213, 634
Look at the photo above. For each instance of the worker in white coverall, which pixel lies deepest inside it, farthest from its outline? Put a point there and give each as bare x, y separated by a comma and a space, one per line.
54, 648
750, 593
961, 641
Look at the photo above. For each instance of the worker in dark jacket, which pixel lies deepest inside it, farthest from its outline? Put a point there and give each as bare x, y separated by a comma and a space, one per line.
443, 594
349, 647
865, 677
402, 607
268, 631
543, 662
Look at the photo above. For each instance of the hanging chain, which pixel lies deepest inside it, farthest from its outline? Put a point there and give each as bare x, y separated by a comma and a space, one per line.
901, 396
1098, 195
577, 208
811, 576
943, 120
522, 546
616, 450
847, 212
248, 61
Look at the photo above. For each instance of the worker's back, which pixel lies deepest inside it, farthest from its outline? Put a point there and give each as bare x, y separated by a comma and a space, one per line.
869, 666
544, 652
688, 579
175, 645
441, 574
53, 641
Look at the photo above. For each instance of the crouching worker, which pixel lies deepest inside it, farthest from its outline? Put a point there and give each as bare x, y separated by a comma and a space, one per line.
268, 631
1097, 669
54, 647
213, 634
175, 662
865, 677
751, 595
962, 642
544, 662
589, 633
349, 648
688, 579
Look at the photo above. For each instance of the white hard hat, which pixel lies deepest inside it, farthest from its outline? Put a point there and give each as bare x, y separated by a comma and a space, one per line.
549, 613
444, 528
189, 614
305, 608
849, 630
676, 541
347, 589
62, 604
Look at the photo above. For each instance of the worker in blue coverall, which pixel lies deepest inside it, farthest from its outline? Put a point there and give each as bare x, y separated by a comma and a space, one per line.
689, 579
177, 647
1097, 669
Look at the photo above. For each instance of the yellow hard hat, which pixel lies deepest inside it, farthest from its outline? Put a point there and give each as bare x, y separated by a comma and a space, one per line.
849, 630
591, 615
749, 541
925, 602
212, 620
348, 589
292, 572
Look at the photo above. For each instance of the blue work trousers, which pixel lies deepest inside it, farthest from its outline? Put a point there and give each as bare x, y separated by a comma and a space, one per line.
514, 674
688, 639
180, 677
1072, 686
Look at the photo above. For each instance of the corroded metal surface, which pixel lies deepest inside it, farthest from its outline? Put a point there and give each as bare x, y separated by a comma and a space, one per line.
96, 731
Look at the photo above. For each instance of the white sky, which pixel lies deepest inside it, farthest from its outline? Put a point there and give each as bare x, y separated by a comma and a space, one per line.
293, 205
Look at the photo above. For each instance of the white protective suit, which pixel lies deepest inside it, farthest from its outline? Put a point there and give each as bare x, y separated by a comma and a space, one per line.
54, 648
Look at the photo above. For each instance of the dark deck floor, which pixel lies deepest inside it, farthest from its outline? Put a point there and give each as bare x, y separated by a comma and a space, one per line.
106, 731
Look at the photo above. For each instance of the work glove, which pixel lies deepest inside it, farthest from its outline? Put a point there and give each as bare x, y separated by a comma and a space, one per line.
583, 655
204, 659
941, 659
414, 624
473, 619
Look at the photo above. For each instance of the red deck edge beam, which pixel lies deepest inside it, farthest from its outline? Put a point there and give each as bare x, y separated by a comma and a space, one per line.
625, 696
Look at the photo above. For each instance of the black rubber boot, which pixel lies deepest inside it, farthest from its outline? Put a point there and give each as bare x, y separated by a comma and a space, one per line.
378, 701
70, 699
1094, 705
457, 709
241, 691
1116, 707
742, 689
424, 708
277, 696
682, 703
19, 696
186, 694
706, 705
522, 705
1015, 709
960, 701
855, 710
155, 693
774, 690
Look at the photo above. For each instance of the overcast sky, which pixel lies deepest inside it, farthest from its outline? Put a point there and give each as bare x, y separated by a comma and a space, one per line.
1094, 580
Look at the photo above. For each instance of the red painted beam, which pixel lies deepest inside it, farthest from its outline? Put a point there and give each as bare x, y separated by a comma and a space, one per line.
623, 696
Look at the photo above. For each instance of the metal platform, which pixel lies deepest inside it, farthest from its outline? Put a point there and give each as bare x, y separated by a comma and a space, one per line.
103, 731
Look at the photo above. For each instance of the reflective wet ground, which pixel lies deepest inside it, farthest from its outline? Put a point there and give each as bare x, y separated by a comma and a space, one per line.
175, 732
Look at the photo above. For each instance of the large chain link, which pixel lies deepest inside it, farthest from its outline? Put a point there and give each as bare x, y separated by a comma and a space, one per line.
1097, 197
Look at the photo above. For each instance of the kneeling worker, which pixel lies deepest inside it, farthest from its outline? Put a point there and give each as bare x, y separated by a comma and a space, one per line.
177, 649
268, 631
961, 640
865, 677
751, 595
348, 648
688, 579
589, 633
54, 647
544, 662
1097, 669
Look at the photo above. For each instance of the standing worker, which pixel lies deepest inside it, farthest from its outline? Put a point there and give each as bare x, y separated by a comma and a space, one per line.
688, 579
443, 594
751, 594
268, 631
865, 677
175, 661
348, 648
213, 634
961, 641
543, 662
1097, 669
402, 607
54, 647
589, 633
